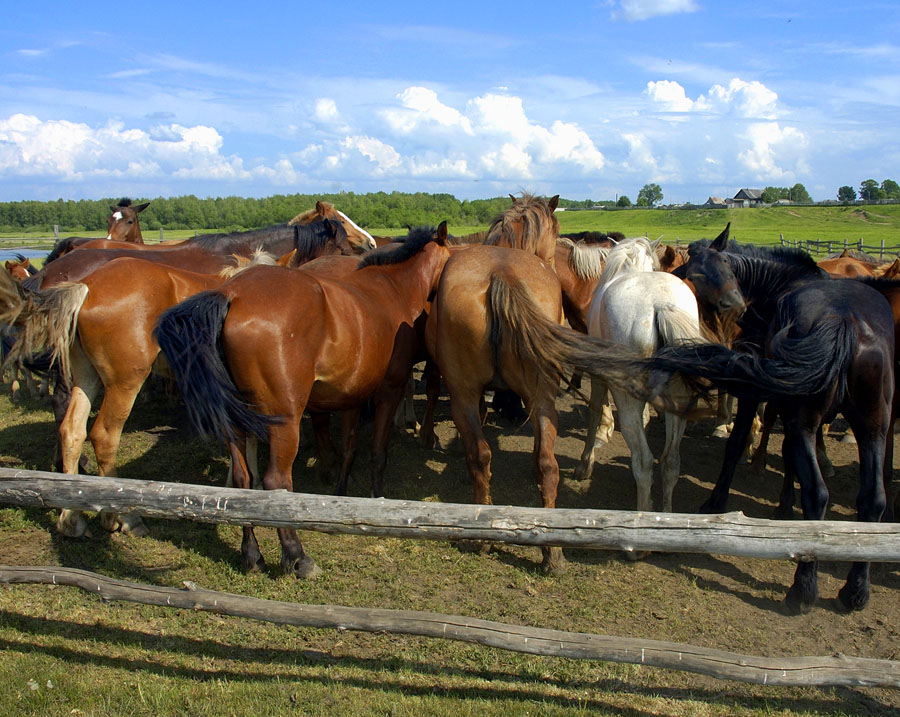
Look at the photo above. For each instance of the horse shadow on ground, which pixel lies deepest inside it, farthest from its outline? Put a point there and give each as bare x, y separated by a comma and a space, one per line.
387, 675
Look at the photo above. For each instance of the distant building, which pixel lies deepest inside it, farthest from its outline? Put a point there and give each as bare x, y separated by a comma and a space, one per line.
748, 198
716, 203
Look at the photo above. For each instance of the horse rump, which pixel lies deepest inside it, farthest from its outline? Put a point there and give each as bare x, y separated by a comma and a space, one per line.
188, 335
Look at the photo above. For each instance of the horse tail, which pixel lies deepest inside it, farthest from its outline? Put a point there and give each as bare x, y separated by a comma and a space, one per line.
189, 336
800, 365
552, 349
676, 326
45, 320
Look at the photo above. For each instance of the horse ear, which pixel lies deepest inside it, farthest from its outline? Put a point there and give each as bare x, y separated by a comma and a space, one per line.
113, 209
720, 243
141, 207
553, 203
656, 242
513, 197
442, 233
321, 208
9, 266
844, 254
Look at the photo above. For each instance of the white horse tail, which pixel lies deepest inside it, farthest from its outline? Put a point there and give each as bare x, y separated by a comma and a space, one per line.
675, 326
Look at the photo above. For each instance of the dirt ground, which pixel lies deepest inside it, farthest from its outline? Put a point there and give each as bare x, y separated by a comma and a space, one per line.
749, 591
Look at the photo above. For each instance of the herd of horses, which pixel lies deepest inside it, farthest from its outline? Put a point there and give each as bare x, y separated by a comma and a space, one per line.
317, 316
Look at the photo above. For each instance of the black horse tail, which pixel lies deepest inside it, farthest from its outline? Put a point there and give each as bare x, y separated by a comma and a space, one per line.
806, 364
556, 351
189, 337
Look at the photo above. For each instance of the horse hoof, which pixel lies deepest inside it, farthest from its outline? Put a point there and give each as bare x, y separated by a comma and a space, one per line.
304, 568
253, 564
710, 507
72, 524
133, 525
795, 604
636, 555
850, 599
782, 513
720, 432
473, 546
554, 563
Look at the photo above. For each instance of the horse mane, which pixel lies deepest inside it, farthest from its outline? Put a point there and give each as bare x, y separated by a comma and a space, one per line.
63, 246
467, 239
586, 261
259, 258
124, 202
624, 255
532, 211
311, 239
589, 237
793, 256
400, 249
303, 216
223, 241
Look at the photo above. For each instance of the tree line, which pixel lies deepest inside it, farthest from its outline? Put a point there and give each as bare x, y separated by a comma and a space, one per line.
376, 209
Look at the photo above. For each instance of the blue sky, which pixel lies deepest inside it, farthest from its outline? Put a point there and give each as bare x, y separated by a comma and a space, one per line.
478, 99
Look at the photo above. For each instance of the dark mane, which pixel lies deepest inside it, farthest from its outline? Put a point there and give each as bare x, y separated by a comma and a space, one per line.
311, 239
225, 241
124, 202
400, 249
787, 255
63, 246
589, 237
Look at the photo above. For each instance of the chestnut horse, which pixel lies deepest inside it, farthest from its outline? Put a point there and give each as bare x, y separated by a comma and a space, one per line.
102, 330
529, 224
496, 323
250, 357
123, 226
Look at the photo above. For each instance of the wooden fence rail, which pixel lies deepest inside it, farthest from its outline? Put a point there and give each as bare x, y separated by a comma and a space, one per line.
726, 534
832, 246
820, 671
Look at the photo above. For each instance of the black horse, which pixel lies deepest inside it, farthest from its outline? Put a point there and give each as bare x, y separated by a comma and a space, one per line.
816, 346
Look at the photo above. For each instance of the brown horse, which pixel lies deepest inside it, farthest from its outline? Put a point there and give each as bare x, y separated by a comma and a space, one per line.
849, 265
496, 323
204, 254
102, 329
529, 224
289, 341
123, 225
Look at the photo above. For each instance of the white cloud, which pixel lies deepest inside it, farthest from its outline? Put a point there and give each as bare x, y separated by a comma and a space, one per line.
744, 99
326, 110
70, 150
634, 10
422, 107
381, 155
768, 142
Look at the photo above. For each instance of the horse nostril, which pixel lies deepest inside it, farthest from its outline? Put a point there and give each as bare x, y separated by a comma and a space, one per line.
731, 301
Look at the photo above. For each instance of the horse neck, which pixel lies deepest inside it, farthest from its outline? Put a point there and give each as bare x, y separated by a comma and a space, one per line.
413, 280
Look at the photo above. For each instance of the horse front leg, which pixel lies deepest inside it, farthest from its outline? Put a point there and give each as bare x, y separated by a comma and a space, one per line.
734, 449
586, 465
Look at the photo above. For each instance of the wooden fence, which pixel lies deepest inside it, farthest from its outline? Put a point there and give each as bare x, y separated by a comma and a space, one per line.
831, 246
730, 533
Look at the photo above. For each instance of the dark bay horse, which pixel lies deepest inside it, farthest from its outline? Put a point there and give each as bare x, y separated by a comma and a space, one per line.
250, 357
102, 330
821, 347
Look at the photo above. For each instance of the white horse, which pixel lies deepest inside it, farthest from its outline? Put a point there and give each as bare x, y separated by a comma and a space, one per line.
643, 309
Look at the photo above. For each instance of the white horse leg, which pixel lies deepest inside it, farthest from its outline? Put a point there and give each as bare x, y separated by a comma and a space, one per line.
670, 461
724, 415
607, 421
631, 414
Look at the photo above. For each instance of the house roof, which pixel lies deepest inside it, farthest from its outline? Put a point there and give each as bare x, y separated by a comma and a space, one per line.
745, 193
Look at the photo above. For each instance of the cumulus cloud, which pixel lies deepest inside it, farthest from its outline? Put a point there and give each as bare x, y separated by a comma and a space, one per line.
326, 110
421, 106
65, 150
635, 10
745, 99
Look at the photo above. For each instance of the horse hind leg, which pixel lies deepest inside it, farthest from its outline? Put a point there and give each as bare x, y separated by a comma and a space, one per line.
73, 433
106, 434
670, 461
544, 422
591, 440
251, 556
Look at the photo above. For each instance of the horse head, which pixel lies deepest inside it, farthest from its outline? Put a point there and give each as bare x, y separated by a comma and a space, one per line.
356, 235
123, 222
711, 277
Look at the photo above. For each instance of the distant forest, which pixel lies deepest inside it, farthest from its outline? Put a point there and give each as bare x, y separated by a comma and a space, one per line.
378, 209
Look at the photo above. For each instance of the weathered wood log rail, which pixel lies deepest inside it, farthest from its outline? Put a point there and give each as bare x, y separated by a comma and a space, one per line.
782, 671
726, 534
